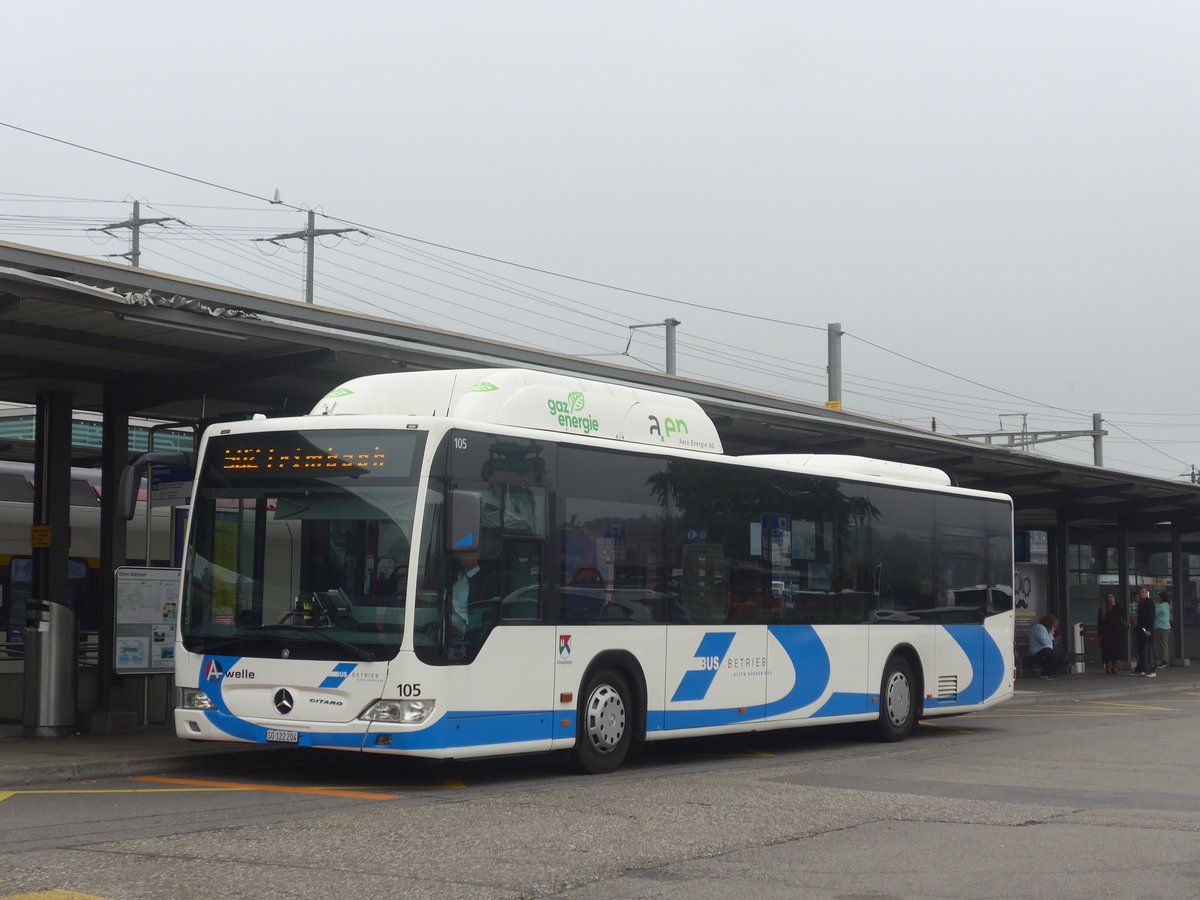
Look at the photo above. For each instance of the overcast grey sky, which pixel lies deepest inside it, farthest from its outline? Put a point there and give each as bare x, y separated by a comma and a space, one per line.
997, 201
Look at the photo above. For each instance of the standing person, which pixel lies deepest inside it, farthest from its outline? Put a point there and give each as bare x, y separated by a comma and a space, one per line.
1145, 633
1042, 647
1111, 627
1162, 630
1135, 656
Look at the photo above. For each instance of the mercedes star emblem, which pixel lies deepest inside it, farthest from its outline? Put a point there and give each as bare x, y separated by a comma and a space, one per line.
283, 701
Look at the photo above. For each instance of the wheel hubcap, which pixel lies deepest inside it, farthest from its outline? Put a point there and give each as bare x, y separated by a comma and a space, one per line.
605, 718
898, 698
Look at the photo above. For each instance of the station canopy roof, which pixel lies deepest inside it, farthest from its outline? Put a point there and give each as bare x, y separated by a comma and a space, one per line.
177, 350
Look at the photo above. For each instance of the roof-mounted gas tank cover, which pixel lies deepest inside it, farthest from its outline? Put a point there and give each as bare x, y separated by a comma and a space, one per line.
530, 399
837, 466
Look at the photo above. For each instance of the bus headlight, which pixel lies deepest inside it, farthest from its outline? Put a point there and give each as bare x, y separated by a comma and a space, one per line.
399, 712
191, 698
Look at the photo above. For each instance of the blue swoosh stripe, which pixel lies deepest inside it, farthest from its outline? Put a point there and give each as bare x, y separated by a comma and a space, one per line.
810, 662
460, 730
986, 659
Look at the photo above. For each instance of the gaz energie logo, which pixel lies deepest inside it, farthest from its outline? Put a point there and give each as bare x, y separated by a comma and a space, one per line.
568, 413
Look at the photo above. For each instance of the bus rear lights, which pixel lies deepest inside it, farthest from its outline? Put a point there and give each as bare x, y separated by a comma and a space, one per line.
401, 712
191, 698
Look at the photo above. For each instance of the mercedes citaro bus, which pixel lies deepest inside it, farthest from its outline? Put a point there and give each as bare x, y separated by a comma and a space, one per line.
495, 561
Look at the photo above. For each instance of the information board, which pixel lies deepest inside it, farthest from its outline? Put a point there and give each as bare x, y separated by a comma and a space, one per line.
147, 600
172, 484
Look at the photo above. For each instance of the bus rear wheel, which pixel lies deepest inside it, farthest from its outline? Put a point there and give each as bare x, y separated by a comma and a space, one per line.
605, 728
897, 701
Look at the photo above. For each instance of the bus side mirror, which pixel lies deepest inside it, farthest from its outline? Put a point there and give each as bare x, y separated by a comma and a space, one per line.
465, 517
131, 476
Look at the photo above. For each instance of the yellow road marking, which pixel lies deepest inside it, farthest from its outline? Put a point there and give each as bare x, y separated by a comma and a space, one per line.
197, 790
949, 729
751, 751
742, 754
274, 788
1069, 714
182, 786
447, 783
1134, 706
53, 895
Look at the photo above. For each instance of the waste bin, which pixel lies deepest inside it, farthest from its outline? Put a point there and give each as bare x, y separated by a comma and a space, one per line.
51, 642
1092, 654
1077, 658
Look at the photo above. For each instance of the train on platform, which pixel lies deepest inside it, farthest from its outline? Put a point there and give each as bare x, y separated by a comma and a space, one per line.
17, 492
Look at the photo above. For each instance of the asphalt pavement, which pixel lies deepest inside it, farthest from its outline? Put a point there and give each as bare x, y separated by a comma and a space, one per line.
156, 750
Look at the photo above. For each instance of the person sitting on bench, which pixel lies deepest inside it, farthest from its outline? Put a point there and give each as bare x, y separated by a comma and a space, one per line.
1042, 648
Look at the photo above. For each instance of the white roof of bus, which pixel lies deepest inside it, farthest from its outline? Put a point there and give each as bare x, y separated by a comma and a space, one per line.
856, 467
531, 399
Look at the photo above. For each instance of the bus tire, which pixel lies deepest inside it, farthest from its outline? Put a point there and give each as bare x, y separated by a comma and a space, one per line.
897, 701
604, 731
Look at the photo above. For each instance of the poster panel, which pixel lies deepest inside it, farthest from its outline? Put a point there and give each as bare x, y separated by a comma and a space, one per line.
146, 614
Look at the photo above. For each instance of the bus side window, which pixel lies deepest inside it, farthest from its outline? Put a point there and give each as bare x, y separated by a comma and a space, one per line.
522, 567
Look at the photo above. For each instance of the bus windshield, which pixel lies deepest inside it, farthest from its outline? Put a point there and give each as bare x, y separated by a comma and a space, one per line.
299, 544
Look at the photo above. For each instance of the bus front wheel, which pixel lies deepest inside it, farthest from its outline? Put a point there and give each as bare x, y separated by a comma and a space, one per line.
605, 727
897, 701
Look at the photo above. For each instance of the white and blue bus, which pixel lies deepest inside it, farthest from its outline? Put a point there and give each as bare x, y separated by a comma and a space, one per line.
480, 562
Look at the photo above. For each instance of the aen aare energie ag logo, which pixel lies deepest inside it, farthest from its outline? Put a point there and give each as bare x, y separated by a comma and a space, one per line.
568, 413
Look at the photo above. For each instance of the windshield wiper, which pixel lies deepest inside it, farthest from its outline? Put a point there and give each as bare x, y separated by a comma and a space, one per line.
362, 654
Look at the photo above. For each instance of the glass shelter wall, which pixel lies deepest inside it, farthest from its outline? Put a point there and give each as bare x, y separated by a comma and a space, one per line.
1187, 616
1094, 571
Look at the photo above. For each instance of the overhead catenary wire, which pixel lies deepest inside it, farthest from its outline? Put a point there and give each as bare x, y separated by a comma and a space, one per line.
740, 362
760, 372
916, 399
